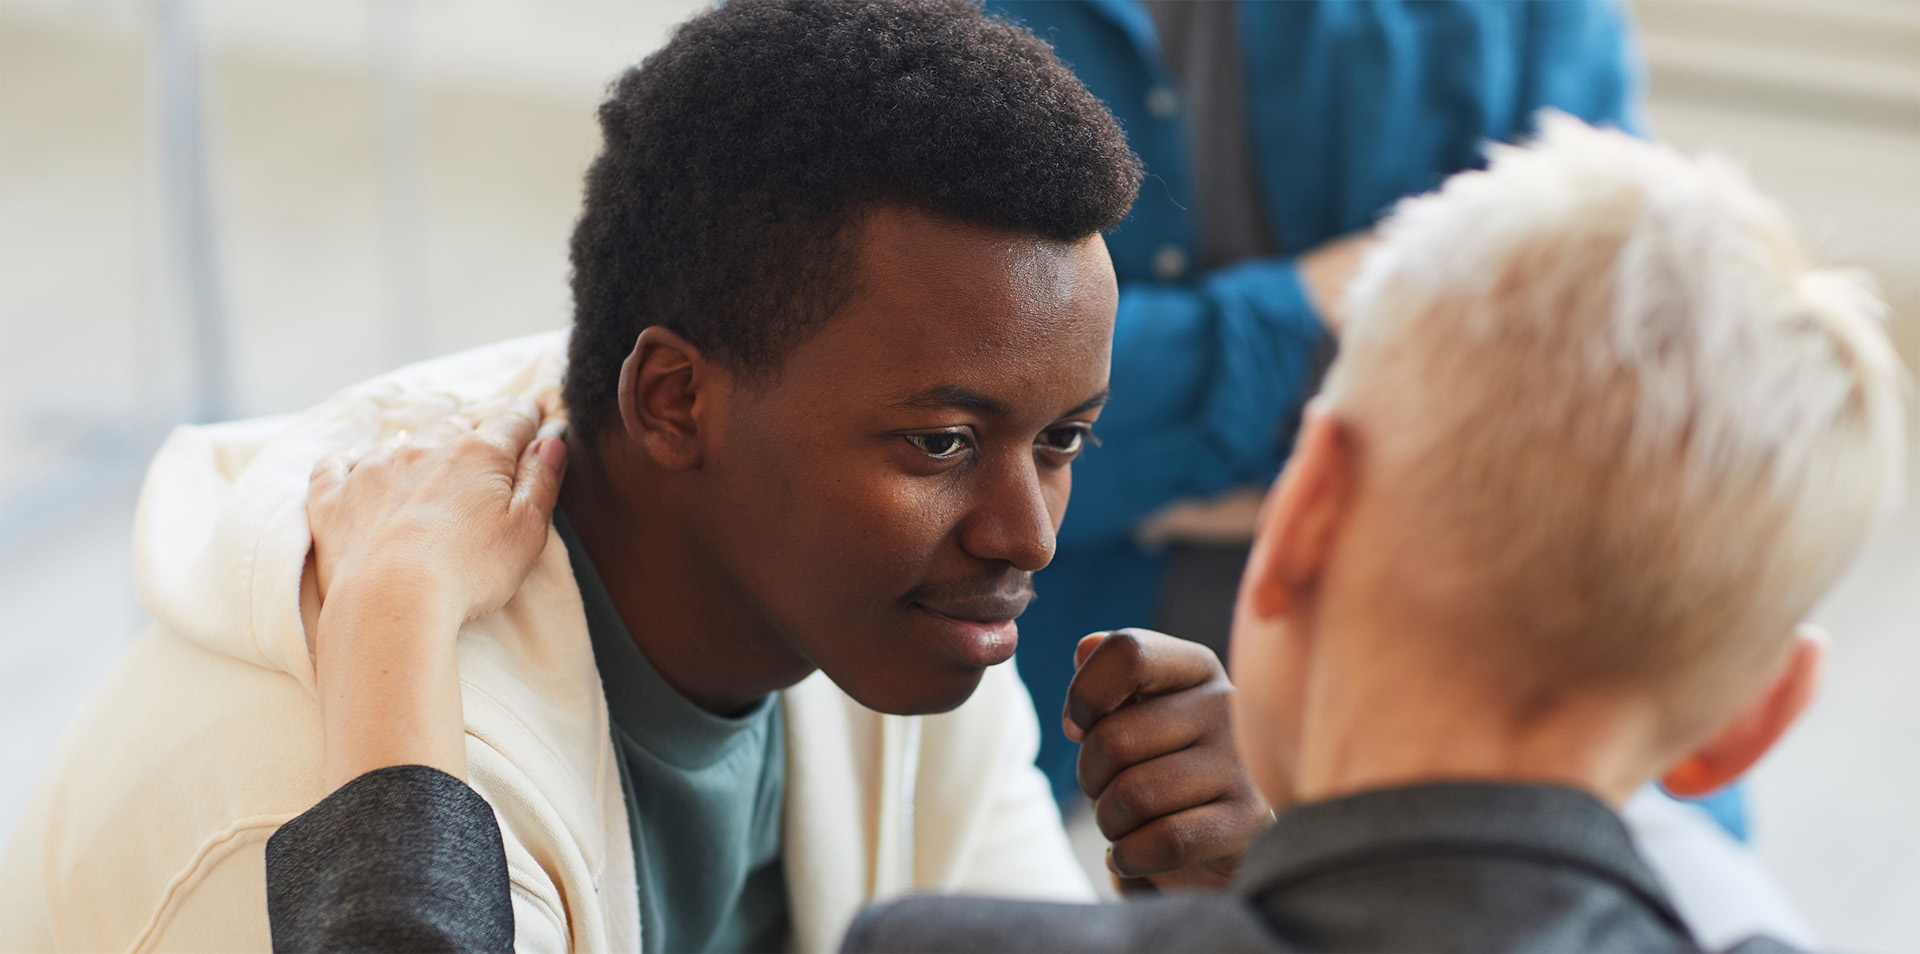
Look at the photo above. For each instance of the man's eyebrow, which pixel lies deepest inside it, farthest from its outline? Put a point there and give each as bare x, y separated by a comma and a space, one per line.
1090, 403
946, 397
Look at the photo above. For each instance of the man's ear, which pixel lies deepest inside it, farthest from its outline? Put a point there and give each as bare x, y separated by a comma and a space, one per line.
661, 399
1301, 516
1741, 743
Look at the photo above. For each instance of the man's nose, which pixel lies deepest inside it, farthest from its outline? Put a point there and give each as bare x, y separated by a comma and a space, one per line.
1012, 520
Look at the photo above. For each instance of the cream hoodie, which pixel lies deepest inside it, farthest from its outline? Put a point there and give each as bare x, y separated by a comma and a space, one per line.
149, 830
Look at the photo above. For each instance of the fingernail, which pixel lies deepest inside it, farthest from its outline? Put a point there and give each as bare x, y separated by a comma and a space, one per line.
553, 453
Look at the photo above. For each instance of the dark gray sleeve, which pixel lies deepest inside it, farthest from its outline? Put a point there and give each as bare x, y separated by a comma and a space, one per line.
406, 858
1172, 922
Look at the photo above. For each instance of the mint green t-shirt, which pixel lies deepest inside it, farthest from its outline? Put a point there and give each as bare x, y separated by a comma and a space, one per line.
703, 795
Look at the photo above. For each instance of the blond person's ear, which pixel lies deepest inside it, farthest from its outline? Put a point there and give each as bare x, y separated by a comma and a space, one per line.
1741, 742
1298, 521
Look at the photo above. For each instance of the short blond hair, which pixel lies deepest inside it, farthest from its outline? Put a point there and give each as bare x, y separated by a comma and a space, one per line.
1621, 408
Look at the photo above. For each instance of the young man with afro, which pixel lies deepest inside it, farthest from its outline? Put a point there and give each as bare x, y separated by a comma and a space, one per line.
842, 322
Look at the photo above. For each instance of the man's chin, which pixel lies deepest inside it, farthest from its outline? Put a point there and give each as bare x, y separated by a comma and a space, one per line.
896, 693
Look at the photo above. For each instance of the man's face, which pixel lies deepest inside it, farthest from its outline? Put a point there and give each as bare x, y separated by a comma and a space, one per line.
883, 501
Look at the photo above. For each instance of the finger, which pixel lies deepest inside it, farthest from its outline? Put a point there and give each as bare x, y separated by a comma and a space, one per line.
1814, 632
1164, 786
537, 487
1147, 730
551, 426
328, 472
1085, 648
1206, 834
1131, 663
511, 429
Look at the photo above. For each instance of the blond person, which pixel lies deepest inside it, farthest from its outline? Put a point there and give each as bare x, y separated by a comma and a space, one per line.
1599, 437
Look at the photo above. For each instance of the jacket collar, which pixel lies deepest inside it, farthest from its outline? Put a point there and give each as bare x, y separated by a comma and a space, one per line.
1555, 824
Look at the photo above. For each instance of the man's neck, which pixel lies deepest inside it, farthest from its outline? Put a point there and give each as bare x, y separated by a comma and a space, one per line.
686, 617
1376, 719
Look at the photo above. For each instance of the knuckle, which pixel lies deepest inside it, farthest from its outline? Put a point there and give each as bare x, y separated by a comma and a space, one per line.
1118, 742
1217, 693
1133, 795
1193, 653
1126, 648
1124, 641
1249, 811
1175, 842
493, 445
1184, 830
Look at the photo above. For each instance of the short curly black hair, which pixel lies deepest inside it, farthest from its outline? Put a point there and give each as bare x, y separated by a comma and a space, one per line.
737, 157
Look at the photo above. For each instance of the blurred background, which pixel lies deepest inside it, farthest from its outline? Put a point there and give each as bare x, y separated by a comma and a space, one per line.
225, 209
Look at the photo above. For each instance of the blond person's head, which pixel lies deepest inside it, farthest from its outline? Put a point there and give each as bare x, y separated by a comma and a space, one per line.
1599, 421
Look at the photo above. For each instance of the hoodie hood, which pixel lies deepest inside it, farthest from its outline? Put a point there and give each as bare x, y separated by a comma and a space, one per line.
220, 537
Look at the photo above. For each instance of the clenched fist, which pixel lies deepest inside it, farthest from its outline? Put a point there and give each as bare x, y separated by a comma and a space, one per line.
1157, 758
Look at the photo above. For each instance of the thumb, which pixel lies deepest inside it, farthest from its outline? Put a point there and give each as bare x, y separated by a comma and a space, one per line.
536, 488
1088, 644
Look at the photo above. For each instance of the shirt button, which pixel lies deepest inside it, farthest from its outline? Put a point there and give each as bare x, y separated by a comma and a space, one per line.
1169, 262
1162, 102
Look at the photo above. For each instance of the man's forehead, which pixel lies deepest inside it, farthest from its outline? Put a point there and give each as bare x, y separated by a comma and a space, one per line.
949, 316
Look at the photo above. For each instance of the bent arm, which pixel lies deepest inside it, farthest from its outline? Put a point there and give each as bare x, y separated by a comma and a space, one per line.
409, 544
1206, 379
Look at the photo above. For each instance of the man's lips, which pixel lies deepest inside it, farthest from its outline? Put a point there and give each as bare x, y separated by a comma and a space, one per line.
985, 608
978, 627
991, 597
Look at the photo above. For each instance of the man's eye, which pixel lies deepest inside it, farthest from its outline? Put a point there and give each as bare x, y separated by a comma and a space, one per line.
944, 445
1066, 440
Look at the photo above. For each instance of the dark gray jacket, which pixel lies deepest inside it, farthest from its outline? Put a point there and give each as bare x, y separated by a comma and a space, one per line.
409, 858
1444, 867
